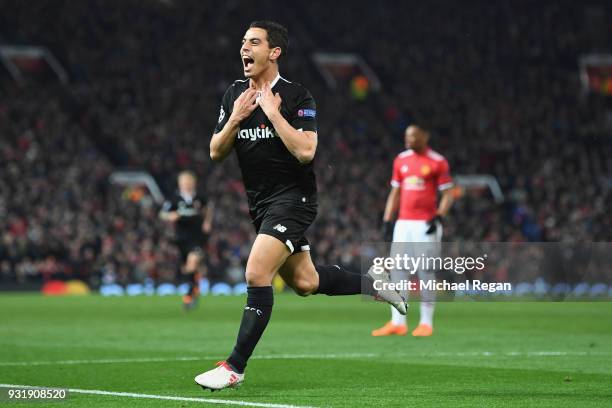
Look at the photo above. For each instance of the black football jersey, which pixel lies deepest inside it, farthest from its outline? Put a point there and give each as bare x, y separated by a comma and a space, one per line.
270, 172
190, 209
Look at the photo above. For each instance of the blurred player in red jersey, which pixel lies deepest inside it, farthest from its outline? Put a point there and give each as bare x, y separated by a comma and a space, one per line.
418, 174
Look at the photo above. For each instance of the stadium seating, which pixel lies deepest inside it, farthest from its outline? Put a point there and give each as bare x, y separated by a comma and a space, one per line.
498, 85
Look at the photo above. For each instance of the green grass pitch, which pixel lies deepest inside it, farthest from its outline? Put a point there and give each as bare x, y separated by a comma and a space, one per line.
316, 352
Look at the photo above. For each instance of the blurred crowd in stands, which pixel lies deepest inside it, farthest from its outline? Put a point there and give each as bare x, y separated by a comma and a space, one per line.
498, 85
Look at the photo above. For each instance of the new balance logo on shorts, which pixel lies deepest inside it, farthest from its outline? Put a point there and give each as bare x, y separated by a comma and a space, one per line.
261, 132
280, 228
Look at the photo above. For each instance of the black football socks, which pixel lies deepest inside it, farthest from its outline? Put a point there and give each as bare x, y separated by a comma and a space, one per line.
194, 284
335, 280
254, 321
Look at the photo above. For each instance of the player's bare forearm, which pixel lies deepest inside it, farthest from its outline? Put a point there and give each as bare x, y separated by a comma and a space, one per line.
169, 216
445, 202
392, 204
301, 144
222, 143
208, 217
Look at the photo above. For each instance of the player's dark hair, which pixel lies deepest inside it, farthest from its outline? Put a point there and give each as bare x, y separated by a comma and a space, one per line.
424, 127
422, 120
278, 35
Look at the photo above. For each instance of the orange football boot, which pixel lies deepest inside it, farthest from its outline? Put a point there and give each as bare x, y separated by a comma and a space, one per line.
422, 330
391, 329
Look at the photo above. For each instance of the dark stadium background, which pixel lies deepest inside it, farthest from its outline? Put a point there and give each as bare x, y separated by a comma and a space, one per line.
499, 84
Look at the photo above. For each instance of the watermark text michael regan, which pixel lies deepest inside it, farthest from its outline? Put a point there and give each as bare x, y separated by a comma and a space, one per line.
434, 285
412, 264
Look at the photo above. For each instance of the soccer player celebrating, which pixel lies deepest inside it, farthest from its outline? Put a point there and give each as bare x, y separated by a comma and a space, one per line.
418, 174
192, 217
271, 124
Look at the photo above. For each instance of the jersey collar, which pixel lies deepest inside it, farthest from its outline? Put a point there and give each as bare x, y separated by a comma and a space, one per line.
275, 80
187, 197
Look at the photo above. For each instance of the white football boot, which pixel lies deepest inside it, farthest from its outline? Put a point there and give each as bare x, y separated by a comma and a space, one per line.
219, 378
392, 297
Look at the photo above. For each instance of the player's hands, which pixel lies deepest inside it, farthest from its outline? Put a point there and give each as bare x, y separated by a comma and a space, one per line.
433, 224
387, 231
172, 216
270, 103
244, 105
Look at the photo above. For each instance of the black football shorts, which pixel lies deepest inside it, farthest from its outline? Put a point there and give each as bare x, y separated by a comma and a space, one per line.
194, 244
287, 221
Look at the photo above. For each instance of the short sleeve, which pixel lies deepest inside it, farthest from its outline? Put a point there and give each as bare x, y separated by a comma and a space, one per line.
445, 181
396, 177
304, 113
225, 110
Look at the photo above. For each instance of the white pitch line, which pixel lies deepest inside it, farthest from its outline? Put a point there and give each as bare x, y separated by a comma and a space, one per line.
338, 356
102, 361
162, 397
514, 353
172, 359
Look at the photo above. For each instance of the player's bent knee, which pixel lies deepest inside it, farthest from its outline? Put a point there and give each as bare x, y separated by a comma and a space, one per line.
193, 260
305, 287
257, 277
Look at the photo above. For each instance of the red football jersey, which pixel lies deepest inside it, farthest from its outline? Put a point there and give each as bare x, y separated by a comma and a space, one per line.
420, 176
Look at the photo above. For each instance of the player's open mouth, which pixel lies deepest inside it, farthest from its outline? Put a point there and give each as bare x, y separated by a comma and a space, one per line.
247, 61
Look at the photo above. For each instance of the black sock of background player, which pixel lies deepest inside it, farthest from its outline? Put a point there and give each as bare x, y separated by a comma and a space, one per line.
194, 284
254, 321
334, 280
